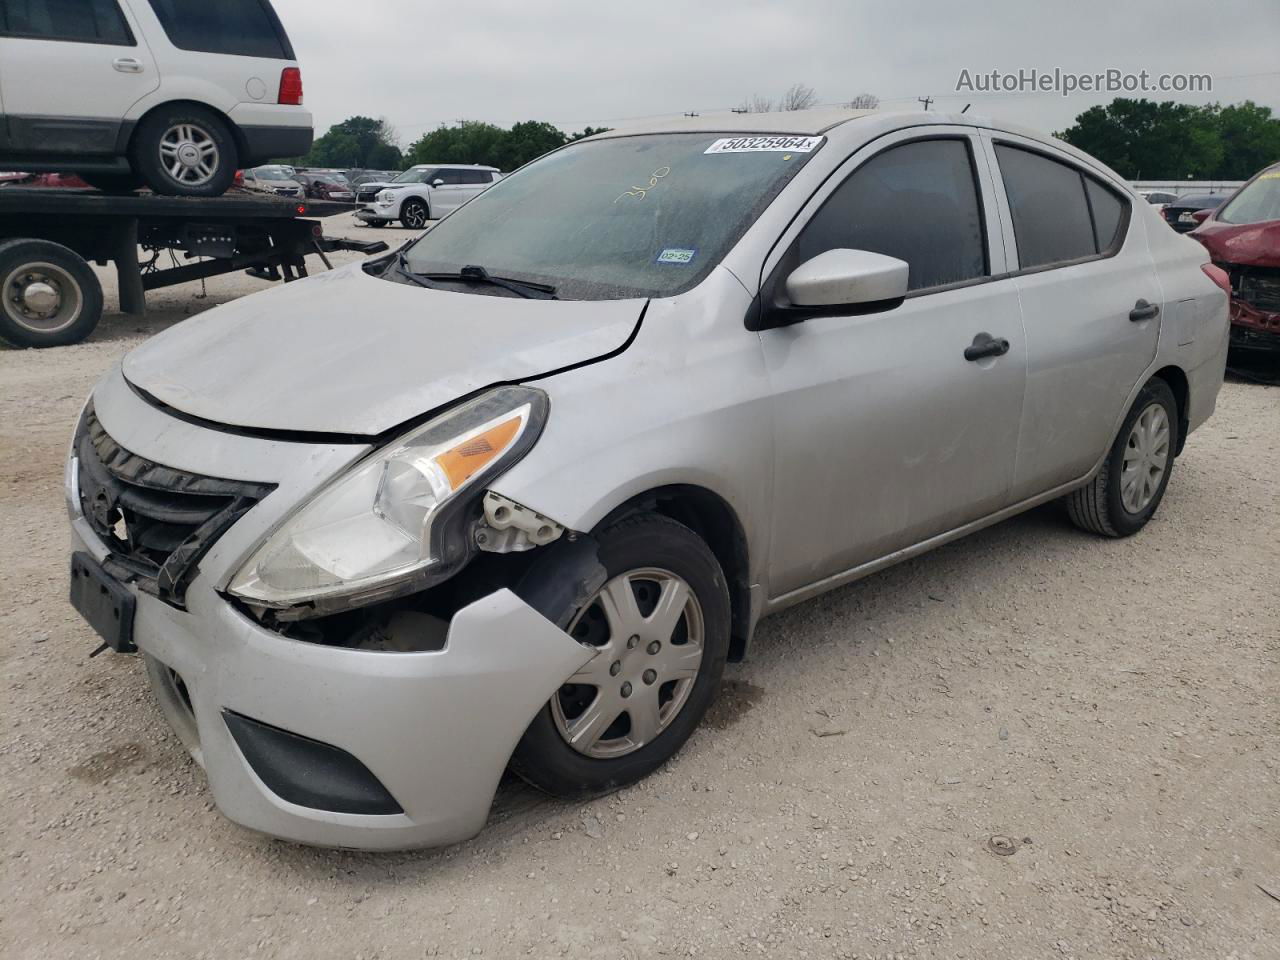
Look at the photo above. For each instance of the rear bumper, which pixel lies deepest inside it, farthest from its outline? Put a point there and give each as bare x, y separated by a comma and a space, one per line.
272, 131
425, 736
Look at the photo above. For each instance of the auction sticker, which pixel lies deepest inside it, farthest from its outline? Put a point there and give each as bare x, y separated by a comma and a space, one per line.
680, 255
765, 145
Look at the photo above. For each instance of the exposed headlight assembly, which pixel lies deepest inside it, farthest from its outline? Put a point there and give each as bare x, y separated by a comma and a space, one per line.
385, 196
397, 521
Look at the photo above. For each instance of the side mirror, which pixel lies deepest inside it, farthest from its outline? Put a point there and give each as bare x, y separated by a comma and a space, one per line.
437, 182
847, 277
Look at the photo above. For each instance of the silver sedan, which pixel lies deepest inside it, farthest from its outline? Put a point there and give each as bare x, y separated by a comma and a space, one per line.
513, 495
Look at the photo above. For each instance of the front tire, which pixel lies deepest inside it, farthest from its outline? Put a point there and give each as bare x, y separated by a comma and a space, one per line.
185, 150
415, 213
1124, 495
48, 295
661, 623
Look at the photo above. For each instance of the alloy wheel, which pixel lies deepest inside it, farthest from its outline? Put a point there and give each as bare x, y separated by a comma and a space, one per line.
189, 154
648, 628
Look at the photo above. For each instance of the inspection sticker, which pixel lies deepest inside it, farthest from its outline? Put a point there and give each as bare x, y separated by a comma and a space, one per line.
677, 255
765, 145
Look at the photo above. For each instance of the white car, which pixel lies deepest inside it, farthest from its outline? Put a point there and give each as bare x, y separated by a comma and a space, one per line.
425, 192
174, 93
274, 178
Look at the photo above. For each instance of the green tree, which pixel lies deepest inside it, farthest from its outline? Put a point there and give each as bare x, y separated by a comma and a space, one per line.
472, 141
1250, 139
1141, 139
356, 142
588, 132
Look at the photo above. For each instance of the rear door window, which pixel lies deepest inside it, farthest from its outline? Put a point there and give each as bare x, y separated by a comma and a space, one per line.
242, 28
82, 21
1060, 214
917, 202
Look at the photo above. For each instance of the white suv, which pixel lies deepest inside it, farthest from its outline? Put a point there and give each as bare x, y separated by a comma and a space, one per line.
174, 93
424, 192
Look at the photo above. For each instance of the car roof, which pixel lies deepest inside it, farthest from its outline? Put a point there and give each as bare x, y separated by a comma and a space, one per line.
798, 122
452, 166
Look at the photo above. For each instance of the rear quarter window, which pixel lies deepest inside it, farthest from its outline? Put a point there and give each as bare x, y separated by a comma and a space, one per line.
77, 21
242, 28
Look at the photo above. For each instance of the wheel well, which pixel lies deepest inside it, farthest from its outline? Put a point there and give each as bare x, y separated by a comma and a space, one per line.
242, 148
711, 518
1177, 381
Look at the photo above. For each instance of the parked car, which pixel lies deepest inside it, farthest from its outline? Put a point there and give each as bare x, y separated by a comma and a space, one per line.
68, 180
175, 94
1178, 213
1157, 198
358, 178
425, 192
512, 495
273, 179
1243, 237
325, 186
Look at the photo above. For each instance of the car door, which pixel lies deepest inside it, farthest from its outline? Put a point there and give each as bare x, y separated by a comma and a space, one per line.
446, 191
884, 433
70, 70
1090, 300
473, 181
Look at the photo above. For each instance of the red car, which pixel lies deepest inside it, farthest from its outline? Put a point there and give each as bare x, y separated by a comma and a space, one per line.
1243, 237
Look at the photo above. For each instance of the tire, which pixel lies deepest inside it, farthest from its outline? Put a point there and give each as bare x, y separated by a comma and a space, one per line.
415, 213
113, 182
650, 547
48, 295
374, 223
1100, 506
192, 139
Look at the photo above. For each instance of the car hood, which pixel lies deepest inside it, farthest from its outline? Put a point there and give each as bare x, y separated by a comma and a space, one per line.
1246, 244
346, 352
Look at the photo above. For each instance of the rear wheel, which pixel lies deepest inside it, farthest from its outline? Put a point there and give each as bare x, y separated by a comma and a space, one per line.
1124, 495
415, 214
48, 295
660, 625
185, 150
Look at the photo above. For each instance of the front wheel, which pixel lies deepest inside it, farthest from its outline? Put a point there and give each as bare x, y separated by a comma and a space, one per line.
1124, 495
660, 626
414, 214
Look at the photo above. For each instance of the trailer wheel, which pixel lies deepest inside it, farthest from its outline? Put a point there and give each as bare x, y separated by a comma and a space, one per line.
185, 150
48, 295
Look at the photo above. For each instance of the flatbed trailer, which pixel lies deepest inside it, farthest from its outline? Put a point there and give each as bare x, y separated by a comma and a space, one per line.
49, 296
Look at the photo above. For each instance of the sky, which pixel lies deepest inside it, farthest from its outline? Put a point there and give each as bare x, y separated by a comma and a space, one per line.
421, 63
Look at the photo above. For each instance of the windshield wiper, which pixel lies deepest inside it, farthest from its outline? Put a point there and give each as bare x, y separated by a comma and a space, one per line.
474, 274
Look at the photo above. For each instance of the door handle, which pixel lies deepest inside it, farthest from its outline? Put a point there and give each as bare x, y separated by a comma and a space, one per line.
985, 345
1144, 311
127, 65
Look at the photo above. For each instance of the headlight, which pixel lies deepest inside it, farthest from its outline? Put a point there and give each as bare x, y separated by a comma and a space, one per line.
384, 196
395, 522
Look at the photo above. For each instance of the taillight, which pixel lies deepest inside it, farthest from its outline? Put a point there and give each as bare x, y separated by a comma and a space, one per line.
290, 87
1218, 276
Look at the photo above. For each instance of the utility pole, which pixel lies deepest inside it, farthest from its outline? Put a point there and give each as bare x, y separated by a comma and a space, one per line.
925, 100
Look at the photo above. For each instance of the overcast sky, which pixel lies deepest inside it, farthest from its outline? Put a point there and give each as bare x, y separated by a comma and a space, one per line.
420, 63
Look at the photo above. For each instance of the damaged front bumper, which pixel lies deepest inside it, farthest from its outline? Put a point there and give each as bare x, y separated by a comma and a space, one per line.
416, 741
311, 742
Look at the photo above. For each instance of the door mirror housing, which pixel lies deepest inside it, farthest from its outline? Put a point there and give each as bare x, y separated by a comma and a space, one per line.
437, 182
847, 278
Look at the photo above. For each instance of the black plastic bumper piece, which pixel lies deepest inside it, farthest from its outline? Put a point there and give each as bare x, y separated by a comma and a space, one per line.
307, 772
273, 143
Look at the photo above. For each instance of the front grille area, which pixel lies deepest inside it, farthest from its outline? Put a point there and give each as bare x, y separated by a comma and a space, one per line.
366, 196
157, 521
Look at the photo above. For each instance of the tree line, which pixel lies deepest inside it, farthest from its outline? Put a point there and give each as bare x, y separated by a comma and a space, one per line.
366, 143
1145, 140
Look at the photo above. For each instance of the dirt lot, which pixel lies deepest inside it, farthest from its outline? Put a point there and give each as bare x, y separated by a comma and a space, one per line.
1111, 707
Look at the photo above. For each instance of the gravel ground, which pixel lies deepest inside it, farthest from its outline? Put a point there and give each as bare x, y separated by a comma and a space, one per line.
1110, 707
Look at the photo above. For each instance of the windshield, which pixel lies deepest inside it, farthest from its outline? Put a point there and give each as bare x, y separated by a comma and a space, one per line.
643, 216
1257, 202
417, 175
270, 173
